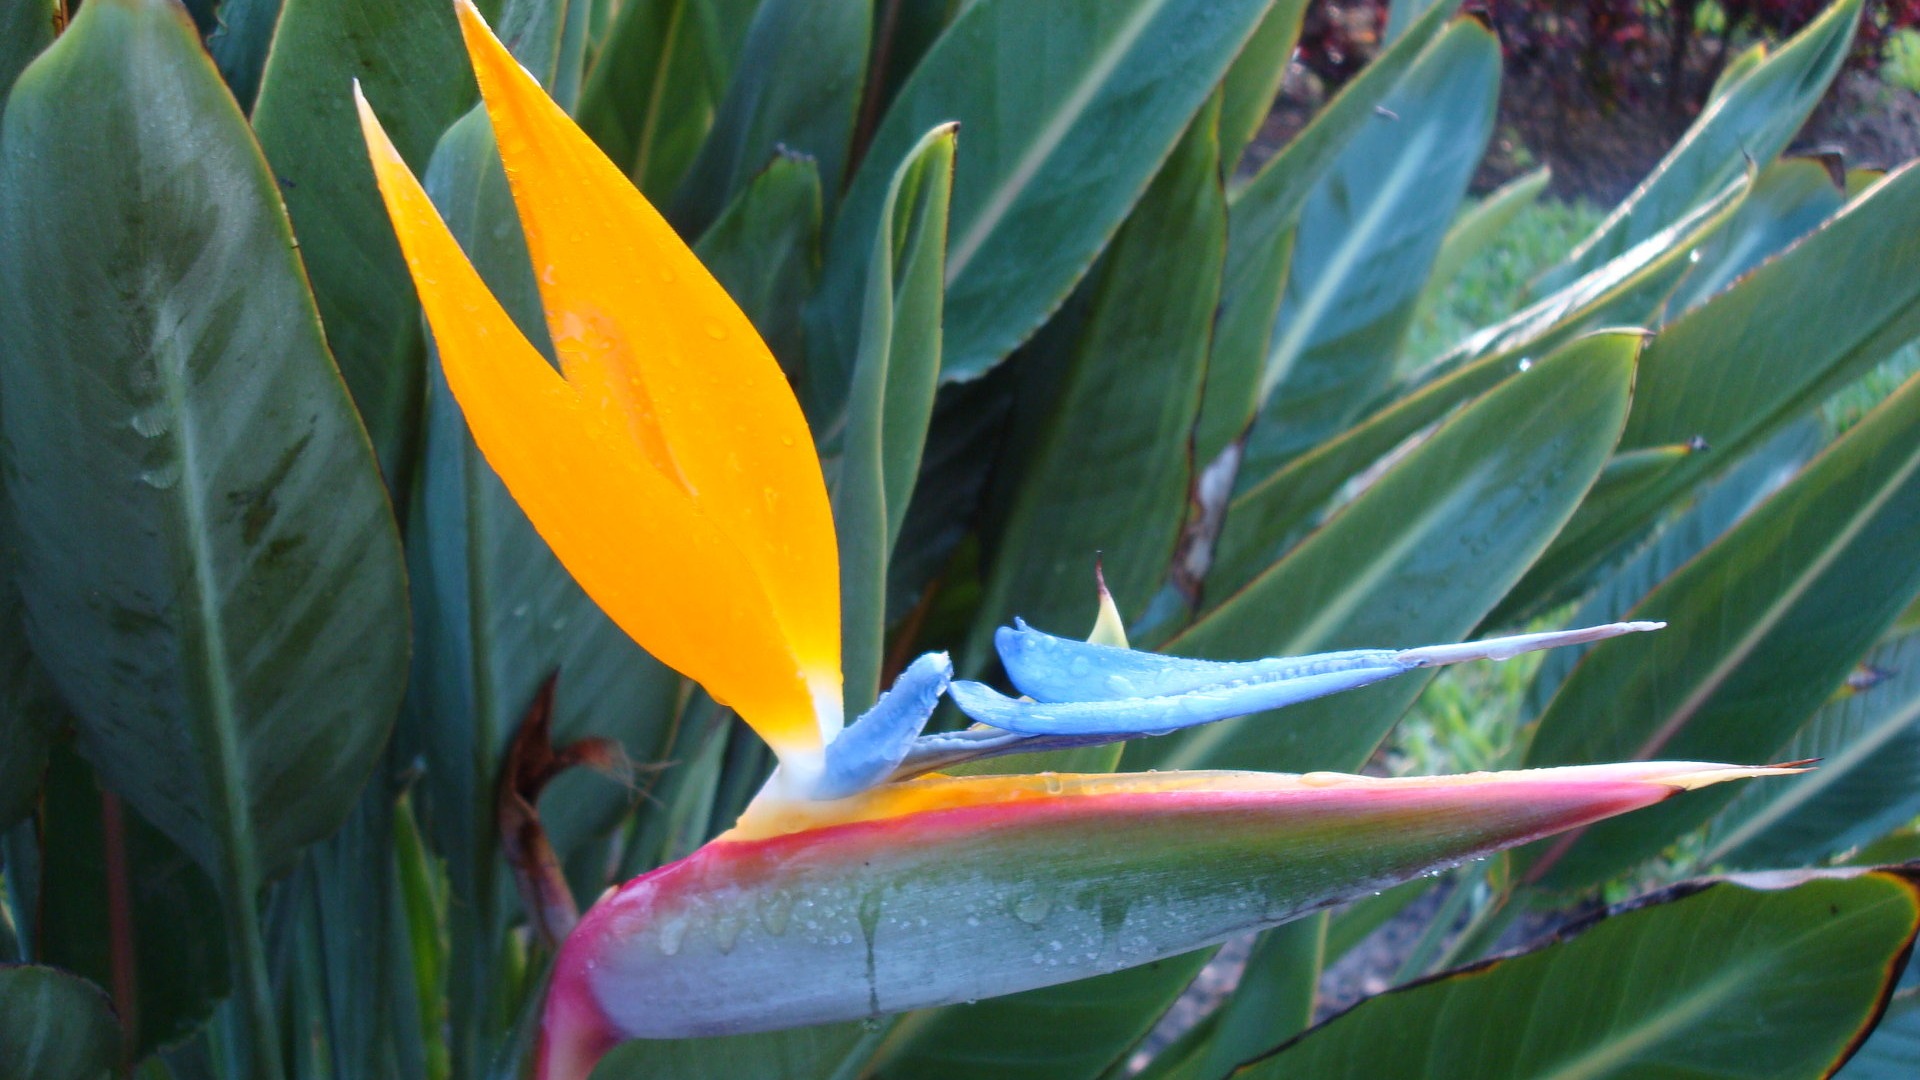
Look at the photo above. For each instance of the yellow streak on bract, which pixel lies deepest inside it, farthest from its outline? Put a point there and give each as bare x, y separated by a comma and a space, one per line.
769, 817
666, 573
646, 335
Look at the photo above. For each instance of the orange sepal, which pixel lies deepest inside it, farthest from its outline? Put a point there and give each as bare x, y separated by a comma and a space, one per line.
664, 571
647, 335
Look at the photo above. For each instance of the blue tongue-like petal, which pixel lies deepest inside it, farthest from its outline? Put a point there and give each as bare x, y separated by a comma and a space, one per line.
1170, 712
1049, 668
871, 748
1082, 689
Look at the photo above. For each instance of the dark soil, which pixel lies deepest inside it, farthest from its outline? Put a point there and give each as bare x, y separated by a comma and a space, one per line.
1599, 149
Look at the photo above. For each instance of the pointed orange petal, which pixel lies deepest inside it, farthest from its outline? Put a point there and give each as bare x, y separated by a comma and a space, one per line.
660, 569
645, 333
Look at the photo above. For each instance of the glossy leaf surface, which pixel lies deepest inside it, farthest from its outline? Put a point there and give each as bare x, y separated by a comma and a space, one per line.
55, 1026
1763, 626
800, 72
1069, 109
1868, 740
1108, 470
211, 571
1368, 236
1434, 540
406, 55
1770, 976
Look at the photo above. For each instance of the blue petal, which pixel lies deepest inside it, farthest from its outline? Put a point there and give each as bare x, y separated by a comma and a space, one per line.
1049, 668
1169, 712
870, 749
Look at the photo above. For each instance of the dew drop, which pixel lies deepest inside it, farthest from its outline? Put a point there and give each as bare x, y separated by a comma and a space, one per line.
672, 932
1526, 363
151, 423
716, 331
163, 477
1033, 908
1322, 779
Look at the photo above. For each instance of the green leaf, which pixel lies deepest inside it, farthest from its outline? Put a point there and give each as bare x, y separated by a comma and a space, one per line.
891, 400
1747, 123
408, 59
1478, 226
1074, 1031
765, 251
1108, 469
1261, 218
799, 1054
30, 712
26, 27
1763, 625
1892, 1052
210, 567
55, 1026
177, 948
1367, 239
1788, 200
1868, 743
1069, 110
1418, 556
1740, 978
240, 42
1715, 509
655, 87
1255, 77
548, 37
1274, 998
801, 70
1745, 363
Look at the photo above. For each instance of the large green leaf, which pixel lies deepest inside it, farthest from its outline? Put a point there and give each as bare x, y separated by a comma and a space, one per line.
210, 568
407, 57
1074, 1031
765, 251
1715, 509
1108, 468
1788, 200
1264, 520
891, 401
1069, 108
1367, 239
800, 73
55, 1026
656, 84
1417, 557
1248, 91
1746, 123
1762, 627
1744, 978
1745, 363
1868, 743
1892, 1052
30, 712
26, 27
176, 950
1260, 223
799, 1054
239, 44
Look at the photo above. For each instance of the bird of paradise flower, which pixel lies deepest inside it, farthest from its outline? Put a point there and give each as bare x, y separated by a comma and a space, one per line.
669, 467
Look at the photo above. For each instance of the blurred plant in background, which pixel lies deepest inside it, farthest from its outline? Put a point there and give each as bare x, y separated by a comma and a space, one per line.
274, 630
